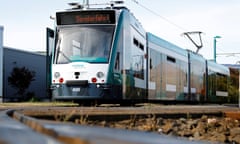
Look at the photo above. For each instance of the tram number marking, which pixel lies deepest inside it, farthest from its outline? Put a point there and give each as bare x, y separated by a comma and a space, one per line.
76, 89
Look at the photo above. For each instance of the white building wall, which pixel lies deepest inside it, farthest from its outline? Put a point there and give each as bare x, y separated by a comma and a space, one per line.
1, 62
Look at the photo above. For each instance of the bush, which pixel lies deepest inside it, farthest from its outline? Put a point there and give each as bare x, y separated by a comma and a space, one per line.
21, 79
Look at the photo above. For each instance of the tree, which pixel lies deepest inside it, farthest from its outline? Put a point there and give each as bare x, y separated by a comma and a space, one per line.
21, 79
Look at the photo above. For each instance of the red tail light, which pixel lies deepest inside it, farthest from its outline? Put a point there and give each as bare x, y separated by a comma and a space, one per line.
61, 80
94, 80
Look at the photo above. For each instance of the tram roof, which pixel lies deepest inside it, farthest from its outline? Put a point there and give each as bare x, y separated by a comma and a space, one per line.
163, 43
218, 67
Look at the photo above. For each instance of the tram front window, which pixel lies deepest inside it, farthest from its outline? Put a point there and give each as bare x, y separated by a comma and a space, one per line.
90, 44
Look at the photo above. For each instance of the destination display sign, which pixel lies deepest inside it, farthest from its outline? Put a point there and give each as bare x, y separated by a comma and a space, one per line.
85, 17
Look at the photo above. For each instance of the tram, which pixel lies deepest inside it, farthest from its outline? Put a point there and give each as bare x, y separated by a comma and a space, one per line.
105, 54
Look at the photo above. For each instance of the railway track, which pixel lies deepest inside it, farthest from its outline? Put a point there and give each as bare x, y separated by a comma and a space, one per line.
29, 124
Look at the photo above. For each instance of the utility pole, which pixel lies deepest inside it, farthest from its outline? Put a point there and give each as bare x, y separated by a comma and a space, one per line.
214, 47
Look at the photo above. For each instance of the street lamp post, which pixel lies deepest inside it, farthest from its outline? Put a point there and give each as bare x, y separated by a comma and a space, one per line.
214, 47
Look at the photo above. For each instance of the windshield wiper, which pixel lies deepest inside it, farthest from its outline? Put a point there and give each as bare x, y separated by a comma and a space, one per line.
64, 55
60, 52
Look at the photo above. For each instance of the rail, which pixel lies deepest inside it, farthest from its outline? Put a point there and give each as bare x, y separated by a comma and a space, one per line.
31, 130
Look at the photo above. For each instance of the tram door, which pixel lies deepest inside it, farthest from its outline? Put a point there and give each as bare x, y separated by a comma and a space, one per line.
155, 76
49, 48
171, 68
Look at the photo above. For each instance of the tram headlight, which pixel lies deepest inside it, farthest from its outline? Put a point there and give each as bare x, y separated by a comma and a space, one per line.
100, 74
56, 75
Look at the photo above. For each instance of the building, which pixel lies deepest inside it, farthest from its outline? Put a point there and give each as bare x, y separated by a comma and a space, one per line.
1, 63
11, 58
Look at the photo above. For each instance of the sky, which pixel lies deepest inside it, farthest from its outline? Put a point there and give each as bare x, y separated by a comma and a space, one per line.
25, 23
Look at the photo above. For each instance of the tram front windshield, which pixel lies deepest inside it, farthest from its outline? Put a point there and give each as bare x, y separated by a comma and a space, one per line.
90, 44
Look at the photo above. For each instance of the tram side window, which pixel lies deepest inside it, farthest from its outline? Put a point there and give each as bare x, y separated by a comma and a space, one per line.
138, 44
141, 46
171, 59
135, 41
221, 82
137, 59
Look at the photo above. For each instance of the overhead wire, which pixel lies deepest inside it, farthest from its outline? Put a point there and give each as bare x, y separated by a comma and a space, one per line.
172, 23
153, 12
167, 20
162, 17
226, 54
